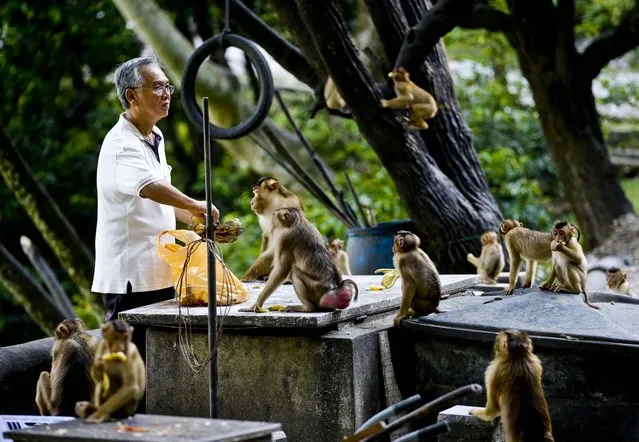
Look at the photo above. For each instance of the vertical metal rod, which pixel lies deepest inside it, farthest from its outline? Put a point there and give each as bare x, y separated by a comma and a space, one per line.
214, 403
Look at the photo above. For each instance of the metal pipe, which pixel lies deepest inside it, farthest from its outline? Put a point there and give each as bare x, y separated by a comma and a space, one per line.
214, 402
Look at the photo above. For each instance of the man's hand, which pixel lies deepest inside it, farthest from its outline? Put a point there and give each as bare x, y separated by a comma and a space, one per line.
199, 210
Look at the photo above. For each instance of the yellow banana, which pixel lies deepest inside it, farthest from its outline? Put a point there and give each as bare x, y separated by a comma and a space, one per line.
117, 356
390, 278
106, 384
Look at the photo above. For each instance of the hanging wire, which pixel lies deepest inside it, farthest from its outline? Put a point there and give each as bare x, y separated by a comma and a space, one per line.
185, 328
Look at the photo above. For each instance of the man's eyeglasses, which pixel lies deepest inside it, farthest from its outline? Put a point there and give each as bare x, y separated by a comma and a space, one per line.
159, 90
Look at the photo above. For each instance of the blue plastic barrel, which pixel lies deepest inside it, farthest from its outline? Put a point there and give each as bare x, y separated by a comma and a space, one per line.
371, 248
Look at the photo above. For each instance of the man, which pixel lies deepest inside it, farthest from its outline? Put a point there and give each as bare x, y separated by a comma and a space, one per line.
136, 200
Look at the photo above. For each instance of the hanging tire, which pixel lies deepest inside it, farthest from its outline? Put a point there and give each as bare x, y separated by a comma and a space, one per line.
264, 77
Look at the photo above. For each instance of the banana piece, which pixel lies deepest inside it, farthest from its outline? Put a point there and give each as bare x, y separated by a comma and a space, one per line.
106, 384
390, 278
375, 288
117, 356
172, 247
277, 308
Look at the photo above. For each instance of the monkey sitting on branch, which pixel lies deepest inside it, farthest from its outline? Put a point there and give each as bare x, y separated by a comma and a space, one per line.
339, 256
119, 376
530, 245
491, 259
421, 287
617, 282
69, 380
569, 269
514, 390
420, 104
269, 195
299, 252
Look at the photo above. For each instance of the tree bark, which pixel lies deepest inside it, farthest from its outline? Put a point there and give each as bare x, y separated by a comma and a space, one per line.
449, 204
28, 293
561, 85
45, 214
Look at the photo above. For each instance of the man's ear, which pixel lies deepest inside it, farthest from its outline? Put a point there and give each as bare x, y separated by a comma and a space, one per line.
129, 95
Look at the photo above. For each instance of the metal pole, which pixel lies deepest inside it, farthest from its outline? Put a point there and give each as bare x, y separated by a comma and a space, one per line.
214, 403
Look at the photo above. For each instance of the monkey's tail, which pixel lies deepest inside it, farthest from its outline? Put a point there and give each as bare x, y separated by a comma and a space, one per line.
586, 300
350, 281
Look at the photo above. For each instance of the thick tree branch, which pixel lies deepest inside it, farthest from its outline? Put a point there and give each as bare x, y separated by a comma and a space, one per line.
443, 18
612, 44
286, 54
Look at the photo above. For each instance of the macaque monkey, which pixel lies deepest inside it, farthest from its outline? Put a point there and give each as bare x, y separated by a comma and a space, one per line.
300, 253
514, 390
118, 373
69, 380
421, 288
569, 269
491, 259
617, 282
268, 196
530, 245
339, 256
332, 96
421, 105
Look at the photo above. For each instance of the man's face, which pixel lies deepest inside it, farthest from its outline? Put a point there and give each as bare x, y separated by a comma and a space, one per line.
152, 98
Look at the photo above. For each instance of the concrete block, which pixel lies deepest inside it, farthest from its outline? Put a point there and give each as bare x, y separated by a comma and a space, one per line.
369, 303
320, 388
465, 427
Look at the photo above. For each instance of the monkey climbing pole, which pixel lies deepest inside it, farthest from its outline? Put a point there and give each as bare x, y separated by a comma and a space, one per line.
201, 118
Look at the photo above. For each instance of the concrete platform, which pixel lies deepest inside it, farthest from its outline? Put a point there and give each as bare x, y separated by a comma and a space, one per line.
319, 374
157, 428
369, 303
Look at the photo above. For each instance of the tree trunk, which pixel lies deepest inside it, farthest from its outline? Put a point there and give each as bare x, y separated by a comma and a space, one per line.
45, 214
437, 174
562, 91
28, 293
227, 106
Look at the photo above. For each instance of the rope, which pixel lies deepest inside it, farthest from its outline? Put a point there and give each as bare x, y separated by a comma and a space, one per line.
185, 329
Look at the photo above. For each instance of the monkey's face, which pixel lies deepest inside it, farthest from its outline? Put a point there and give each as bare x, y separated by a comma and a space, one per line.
264, 190
335, 246
405, 242
399, 74
117, 335
562, 232
615, 277
488, 238
508, 224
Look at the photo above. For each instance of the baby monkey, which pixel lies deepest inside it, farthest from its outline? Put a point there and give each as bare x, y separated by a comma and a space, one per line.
339, 256
421, 288
569, 269
617, 282
530, 245
118, 373
420, 104
514, 390
491, 260
299, 252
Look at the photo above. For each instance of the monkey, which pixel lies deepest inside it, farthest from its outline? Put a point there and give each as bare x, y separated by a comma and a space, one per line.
568, 272
69, 380
421, 104
421, 287
339, 256
491, 260
332, 96
514, 390
524, 243
268, 196
118, 373
300, 253
617, 281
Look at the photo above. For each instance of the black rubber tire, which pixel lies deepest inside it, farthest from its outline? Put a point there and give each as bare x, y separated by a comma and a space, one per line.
264, 77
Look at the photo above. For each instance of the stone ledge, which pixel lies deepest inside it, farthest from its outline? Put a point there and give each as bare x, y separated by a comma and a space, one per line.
370, 303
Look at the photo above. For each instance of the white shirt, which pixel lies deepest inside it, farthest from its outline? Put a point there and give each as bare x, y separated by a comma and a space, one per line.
128, 224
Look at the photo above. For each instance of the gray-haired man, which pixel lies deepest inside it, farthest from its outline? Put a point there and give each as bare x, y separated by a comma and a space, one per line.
136, 200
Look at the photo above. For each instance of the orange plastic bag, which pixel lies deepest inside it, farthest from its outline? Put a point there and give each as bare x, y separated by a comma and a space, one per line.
229, 288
